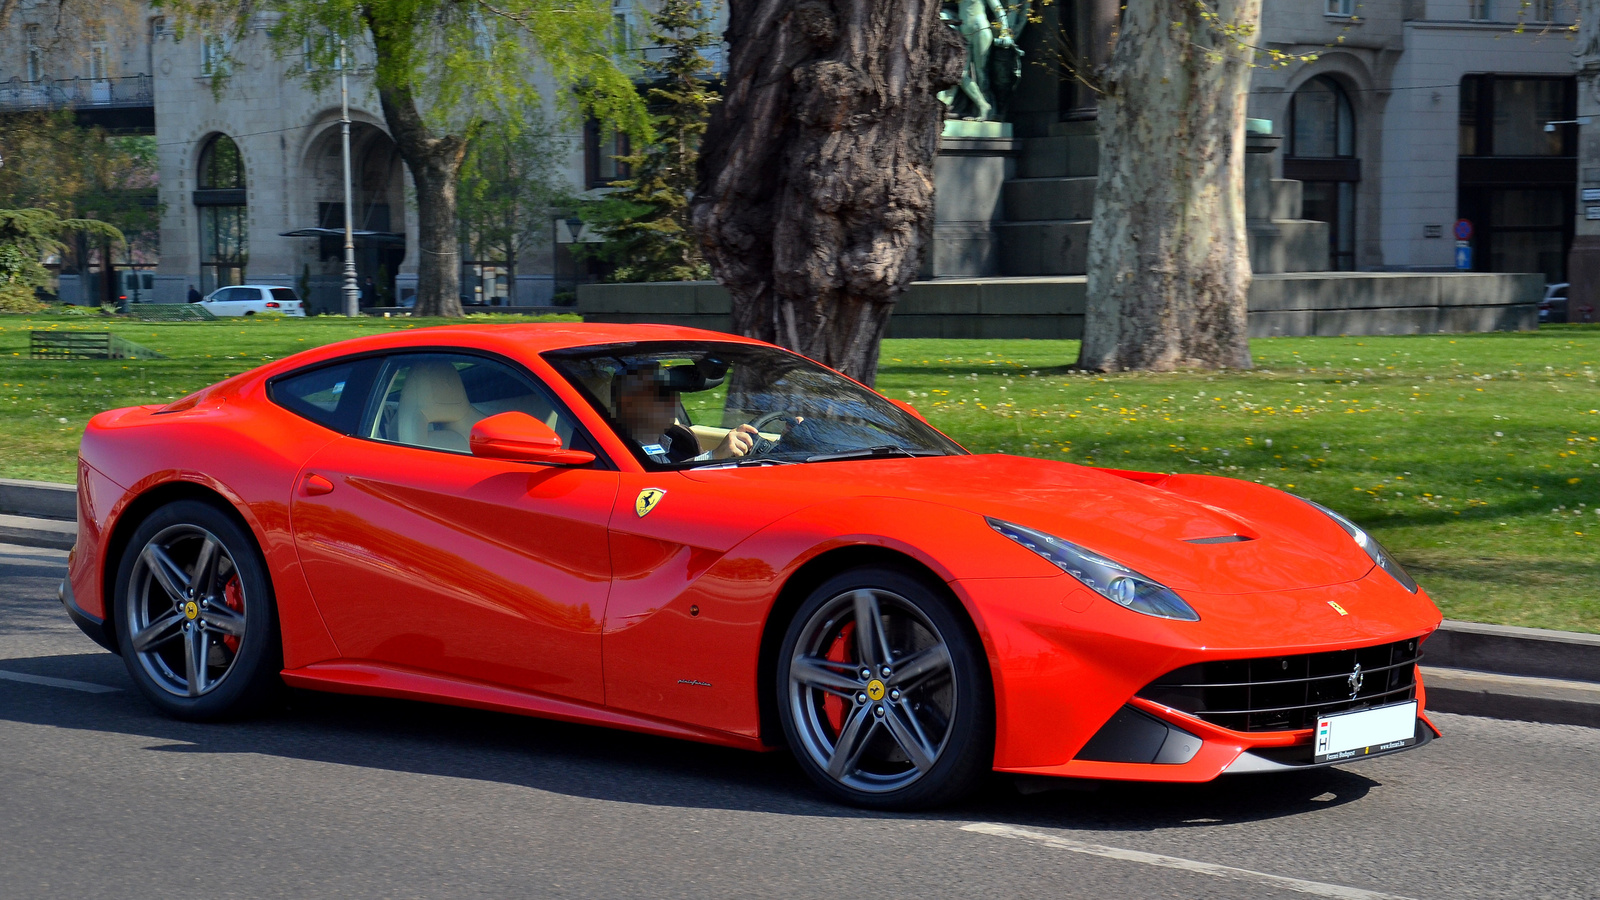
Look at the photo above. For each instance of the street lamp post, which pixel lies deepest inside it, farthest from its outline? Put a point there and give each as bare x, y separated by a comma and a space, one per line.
352, 293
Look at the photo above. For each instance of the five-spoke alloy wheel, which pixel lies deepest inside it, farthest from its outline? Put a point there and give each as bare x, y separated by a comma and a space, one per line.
194, 613
883, 695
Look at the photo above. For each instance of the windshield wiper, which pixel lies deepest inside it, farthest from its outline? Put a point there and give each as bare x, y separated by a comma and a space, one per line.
738, 463
870, 452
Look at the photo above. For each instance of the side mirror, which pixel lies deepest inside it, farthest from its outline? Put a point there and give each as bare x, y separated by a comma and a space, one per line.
519, 436
908, 408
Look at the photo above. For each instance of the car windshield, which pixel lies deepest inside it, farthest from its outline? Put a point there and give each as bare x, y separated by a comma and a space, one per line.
684, 404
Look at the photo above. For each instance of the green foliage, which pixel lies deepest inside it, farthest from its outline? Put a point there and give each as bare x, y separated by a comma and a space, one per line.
510, 181
464, 62
646, 218
26, 237
53, 164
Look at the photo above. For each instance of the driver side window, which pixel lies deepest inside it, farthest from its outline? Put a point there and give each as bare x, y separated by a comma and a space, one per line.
432, 400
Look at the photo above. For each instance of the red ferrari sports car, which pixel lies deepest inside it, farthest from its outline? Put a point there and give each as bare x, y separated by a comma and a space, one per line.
691, 534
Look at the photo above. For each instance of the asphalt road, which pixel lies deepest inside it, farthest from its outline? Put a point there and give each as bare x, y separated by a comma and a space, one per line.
351, 797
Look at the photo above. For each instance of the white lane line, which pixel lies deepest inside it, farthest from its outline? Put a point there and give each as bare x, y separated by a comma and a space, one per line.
1321, 889
85, 686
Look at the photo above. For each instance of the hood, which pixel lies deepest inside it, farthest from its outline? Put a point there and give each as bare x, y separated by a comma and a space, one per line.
1190, 532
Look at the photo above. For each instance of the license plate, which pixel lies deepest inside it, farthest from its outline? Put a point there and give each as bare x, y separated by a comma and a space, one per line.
1357, 734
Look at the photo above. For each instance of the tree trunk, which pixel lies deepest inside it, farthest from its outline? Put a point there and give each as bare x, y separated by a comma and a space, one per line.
1169, 261
816, 172
435, 165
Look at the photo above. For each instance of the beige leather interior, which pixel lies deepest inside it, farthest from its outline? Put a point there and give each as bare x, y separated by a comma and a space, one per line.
434, 411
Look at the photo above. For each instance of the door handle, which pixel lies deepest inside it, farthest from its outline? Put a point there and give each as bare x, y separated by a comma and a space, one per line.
316, 485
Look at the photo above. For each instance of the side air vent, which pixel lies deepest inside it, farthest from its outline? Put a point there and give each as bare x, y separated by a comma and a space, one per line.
1220, 539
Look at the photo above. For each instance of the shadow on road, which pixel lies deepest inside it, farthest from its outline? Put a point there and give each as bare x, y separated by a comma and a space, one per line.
602, 764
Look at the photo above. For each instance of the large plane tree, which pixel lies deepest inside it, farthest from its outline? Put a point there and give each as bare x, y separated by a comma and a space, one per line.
816, 173
1169, 259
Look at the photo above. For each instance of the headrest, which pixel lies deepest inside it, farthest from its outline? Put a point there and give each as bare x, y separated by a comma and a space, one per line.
434, 390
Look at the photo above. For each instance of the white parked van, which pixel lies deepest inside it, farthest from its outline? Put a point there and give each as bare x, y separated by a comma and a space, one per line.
250, 299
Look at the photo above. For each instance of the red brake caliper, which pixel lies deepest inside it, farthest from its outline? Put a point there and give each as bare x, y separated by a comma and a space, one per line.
232, 595
833, 704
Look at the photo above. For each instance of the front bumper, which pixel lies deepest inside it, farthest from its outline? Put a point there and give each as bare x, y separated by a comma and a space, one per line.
1066, 666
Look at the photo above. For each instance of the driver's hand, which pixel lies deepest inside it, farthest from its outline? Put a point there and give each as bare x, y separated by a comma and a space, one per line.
736, 443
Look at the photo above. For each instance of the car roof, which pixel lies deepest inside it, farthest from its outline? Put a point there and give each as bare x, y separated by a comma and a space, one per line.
284, 286
516, 340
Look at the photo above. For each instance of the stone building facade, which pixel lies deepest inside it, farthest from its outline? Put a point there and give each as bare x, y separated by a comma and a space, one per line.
1414, 114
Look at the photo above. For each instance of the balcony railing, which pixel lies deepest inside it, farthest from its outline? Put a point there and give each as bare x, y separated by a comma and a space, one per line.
77, 93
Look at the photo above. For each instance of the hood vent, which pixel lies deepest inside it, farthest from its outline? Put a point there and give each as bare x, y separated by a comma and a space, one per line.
1219, 539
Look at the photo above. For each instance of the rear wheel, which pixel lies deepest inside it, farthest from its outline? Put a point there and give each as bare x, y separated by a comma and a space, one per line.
883, 696
195, 616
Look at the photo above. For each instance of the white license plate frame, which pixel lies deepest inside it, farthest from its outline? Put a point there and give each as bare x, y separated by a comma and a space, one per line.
1353, 735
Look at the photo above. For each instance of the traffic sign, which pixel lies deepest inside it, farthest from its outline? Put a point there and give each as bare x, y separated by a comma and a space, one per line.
1463, 230
1463, 255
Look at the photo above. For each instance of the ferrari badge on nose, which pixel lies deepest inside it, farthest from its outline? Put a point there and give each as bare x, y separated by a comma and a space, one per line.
647, 500
1336, 607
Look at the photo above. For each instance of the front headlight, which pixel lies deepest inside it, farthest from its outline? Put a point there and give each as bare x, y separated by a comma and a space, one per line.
1108, 578
1372, 547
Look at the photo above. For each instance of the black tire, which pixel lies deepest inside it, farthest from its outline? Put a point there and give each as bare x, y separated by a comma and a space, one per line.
226, 629
921, 735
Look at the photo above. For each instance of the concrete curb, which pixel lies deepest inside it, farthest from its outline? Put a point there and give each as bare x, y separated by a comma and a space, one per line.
1499, 696
29, 532
38, 499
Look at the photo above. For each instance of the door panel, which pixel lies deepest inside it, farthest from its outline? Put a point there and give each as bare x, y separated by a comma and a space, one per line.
485, 569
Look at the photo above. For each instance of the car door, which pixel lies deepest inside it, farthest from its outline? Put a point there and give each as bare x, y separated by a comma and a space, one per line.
226, 302
424, 557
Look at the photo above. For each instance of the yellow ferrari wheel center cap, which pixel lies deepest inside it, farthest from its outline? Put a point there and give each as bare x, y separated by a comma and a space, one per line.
191, 610
875, 689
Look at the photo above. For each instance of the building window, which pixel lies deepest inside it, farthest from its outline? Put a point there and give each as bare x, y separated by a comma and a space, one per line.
1322, 156
1516, 180
1542, 11
1503, 115
34, 63
223, 215
603, 148
214, 53
1478, 10
1343, 8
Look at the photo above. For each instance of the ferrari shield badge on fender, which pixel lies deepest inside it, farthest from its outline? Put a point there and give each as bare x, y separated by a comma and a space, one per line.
647, 500
1336, 607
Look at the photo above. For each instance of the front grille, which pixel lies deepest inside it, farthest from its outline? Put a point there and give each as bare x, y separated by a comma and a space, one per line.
1285, 693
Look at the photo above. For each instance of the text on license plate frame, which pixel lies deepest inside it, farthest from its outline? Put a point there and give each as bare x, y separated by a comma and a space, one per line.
1353, 735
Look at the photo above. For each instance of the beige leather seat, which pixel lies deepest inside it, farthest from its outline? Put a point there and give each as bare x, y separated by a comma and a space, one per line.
434, 411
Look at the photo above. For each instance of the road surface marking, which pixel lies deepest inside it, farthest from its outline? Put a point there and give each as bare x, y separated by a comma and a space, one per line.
58, 682
1185, 865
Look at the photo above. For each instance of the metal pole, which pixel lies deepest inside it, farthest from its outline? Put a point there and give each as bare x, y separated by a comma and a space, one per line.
352, 293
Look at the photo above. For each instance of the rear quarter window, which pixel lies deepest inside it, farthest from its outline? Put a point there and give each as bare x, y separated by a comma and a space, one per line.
332, 396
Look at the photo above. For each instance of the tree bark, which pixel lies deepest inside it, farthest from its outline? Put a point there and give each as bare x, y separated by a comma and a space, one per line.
1169, 260
816, 172
435, 165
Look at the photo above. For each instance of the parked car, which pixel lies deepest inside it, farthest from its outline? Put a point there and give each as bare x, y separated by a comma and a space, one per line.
477, 515
249, 299
1553, 306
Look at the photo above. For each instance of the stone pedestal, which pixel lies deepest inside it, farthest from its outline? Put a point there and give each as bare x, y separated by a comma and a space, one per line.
968, 178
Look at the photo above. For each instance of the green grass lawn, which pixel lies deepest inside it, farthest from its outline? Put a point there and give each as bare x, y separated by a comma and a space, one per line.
1475, 458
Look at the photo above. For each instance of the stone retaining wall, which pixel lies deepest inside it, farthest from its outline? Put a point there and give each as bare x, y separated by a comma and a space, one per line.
1310, 303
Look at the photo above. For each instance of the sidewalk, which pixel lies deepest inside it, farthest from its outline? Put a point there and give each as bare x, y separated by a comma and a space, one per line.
1498, 671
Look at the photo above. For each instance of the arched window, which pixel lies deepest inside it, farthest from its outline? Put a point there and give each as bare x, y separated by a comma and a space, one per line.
1321, 123
220, 201
1322, 156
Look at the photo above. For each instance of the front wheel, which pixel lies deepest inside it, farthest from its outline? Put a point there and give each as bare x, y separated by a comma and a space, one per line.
195, 617
883, 695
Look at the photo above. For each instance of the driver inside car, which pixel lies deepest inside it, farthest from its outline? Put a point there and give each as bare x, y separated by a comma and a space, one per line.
646, 401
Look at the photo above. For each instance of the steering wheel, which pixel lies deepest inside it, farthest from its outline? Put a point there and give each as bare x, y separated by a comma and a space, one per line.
760, 446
